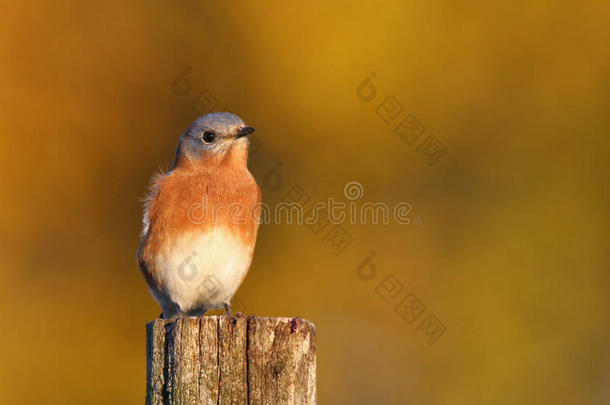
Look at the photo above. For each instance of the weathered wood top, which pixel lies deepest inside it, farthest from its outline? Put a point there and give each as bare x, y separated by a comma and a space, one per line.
231, 360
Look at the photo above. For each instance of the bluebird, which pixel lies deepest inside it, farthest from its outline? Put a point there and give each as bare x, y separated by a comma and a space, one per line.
201, 219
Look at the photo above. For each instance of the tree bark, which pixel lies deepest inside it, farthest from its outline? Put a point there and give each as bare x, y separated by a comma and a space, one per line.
230, 360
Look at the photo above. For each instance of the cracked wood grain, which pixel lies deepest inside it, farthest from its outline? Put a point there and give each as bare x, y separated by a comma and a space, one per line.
231, 360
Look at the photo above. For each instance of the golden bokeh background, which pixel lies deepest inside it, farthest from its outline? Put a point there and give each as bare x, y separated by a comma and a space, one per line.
511, 254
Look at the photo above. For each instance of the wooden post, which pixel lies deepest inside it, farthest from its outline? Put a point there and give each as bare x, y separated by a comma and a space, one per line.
230, 360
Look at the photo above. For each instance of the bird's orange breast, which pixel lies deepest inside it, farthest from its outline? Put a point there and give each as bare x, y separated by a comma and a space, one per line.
196, 198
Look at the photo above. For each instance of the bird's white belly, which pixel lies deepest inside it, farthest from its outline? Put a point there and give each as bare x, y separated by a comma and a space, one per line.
203, 269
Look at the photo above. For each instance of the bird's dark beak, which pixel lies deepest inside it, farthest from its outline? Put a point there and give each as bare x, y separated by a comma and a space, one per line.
245, 131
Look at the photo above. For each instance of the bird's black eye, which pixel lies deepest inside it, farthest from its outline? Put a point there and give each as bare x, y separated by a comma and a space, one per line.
209, 136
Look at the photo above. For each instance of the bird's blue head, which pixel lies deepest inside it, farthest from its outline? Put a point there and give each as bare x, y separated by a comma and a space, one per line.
213, 135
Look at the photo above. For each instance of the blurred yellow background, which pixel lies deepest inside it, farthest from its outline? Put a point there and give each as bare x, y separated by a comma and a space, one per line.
511, 254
